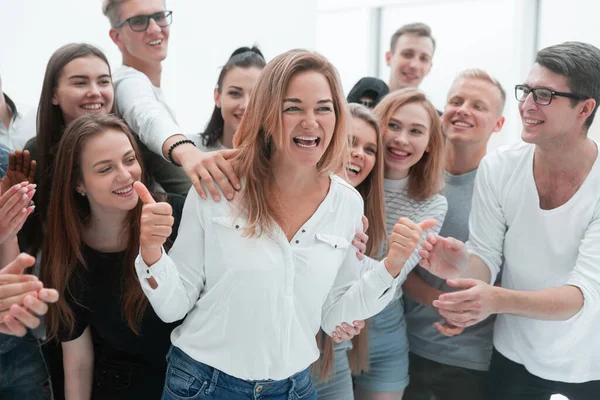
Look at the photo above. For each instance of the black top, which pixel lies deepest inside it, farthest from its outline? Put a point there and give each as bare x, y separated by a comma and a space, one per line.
98, 289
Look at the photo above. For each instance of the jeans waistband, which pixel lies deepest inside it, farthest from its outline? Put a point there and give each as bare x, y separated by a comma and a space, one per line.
216, 377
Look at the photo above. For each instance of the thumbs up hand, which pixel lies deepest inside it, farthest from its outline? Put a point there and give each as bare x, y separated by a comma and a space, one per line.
403, 241
156, 224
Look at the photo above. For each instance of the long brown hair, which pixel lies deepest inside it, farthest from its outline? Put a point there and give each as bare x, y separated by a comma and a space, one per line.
261, 130
371, 190
67, 216
51, 124
426, 177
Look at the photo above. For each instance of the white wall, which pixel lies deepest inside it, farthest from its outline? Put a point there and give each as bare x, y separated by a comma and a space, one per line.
203, 35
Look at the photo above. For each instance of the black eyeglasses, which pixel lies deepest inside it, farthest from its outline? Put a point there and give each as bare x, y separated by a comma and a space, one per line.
139, 23
543, 96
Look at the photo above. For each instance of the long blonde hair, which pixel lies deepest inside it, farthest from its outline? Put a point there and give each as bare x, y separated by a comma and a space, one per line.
426, 177
261, 131
371, 190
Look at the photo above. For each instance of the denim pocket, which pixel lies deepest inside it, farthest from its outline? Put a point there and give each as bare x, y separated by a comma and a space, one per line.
183, 386
303, 387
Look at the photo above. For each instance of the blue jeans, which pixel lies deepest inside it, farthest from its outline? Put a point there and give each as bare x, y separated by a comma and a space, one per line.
3, 159
189, 379
23, 373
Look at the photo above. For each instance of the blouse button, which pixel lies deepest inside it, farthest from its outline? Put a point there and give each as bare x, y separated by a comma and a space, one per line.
335, 246
148, 271
297, 241
237, 227
303, 230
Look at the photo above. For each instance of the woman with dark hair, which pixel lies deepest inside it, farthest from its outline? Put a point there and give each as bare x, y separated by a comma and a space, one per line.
92, 239
234, 85
77, 82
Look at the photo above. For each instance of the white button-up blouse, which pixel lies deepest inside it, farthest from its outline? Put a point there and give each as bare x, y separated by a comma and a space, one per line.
254, 305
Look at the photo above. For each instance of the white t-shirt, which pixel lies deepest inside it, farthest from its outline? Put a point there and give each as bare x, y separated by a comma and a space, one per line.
144, 107
541, 249
253, 306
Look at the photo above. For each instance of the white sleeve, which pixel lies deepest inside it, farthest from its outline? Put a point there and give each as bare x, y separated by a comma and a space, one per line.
137, 104
586, 274
487, 223
180, 275
355, 297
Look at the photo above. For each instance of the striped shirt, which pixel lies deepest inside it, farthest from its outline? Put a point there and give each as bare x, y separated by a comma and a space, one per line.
399, 204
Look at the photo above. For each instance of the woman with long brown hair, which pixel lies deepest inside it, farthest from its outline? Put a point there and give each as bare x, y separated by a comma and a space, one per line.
91, 242
77, 81
255, 278
413, 157
364, 172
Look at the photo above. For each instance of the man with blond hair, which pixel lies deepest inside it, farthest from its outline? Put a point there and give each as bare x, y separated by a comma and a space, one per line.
445, 362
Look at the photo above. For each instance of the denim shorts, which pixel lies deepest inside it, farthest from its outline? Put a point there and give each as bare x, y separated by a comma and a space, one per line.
189, 379
339, 384
388, 351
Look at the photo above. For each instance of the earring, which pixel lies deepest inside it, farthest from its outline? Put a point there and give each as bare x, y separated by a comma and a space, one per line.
81, 192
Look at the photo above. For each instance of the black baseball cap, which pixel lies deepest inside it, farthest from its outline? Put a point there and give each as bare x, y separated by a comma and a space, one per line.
368, 91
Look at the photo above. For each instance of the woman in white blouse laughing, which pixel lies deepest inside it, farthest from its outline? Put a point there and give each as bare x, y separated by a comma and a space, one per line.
256, 277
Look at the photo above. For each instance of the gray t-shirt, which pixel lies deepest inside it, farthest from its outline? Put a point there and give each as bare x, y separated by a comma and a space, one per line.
473, 348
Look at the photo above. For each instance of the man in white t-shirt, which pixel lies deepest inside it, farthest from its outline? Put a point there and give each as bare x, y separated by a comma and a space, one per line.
140, 28
536, 206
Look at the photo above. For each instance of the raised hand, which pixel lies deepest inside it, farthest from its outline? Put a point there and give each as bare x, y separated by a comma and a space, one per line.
156, 224
20, 168
14, 209
446, 258
22, 297
403, 241
361, 239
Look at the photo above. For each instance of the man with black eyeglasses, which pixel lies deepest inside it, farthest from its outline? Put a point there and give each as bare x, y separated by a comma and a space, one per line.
536, 208
141, 30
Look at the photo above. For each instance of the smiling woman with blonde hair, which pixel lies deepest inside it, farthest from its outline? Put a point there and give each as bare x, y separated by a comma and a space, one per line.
257, 277
413, 155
